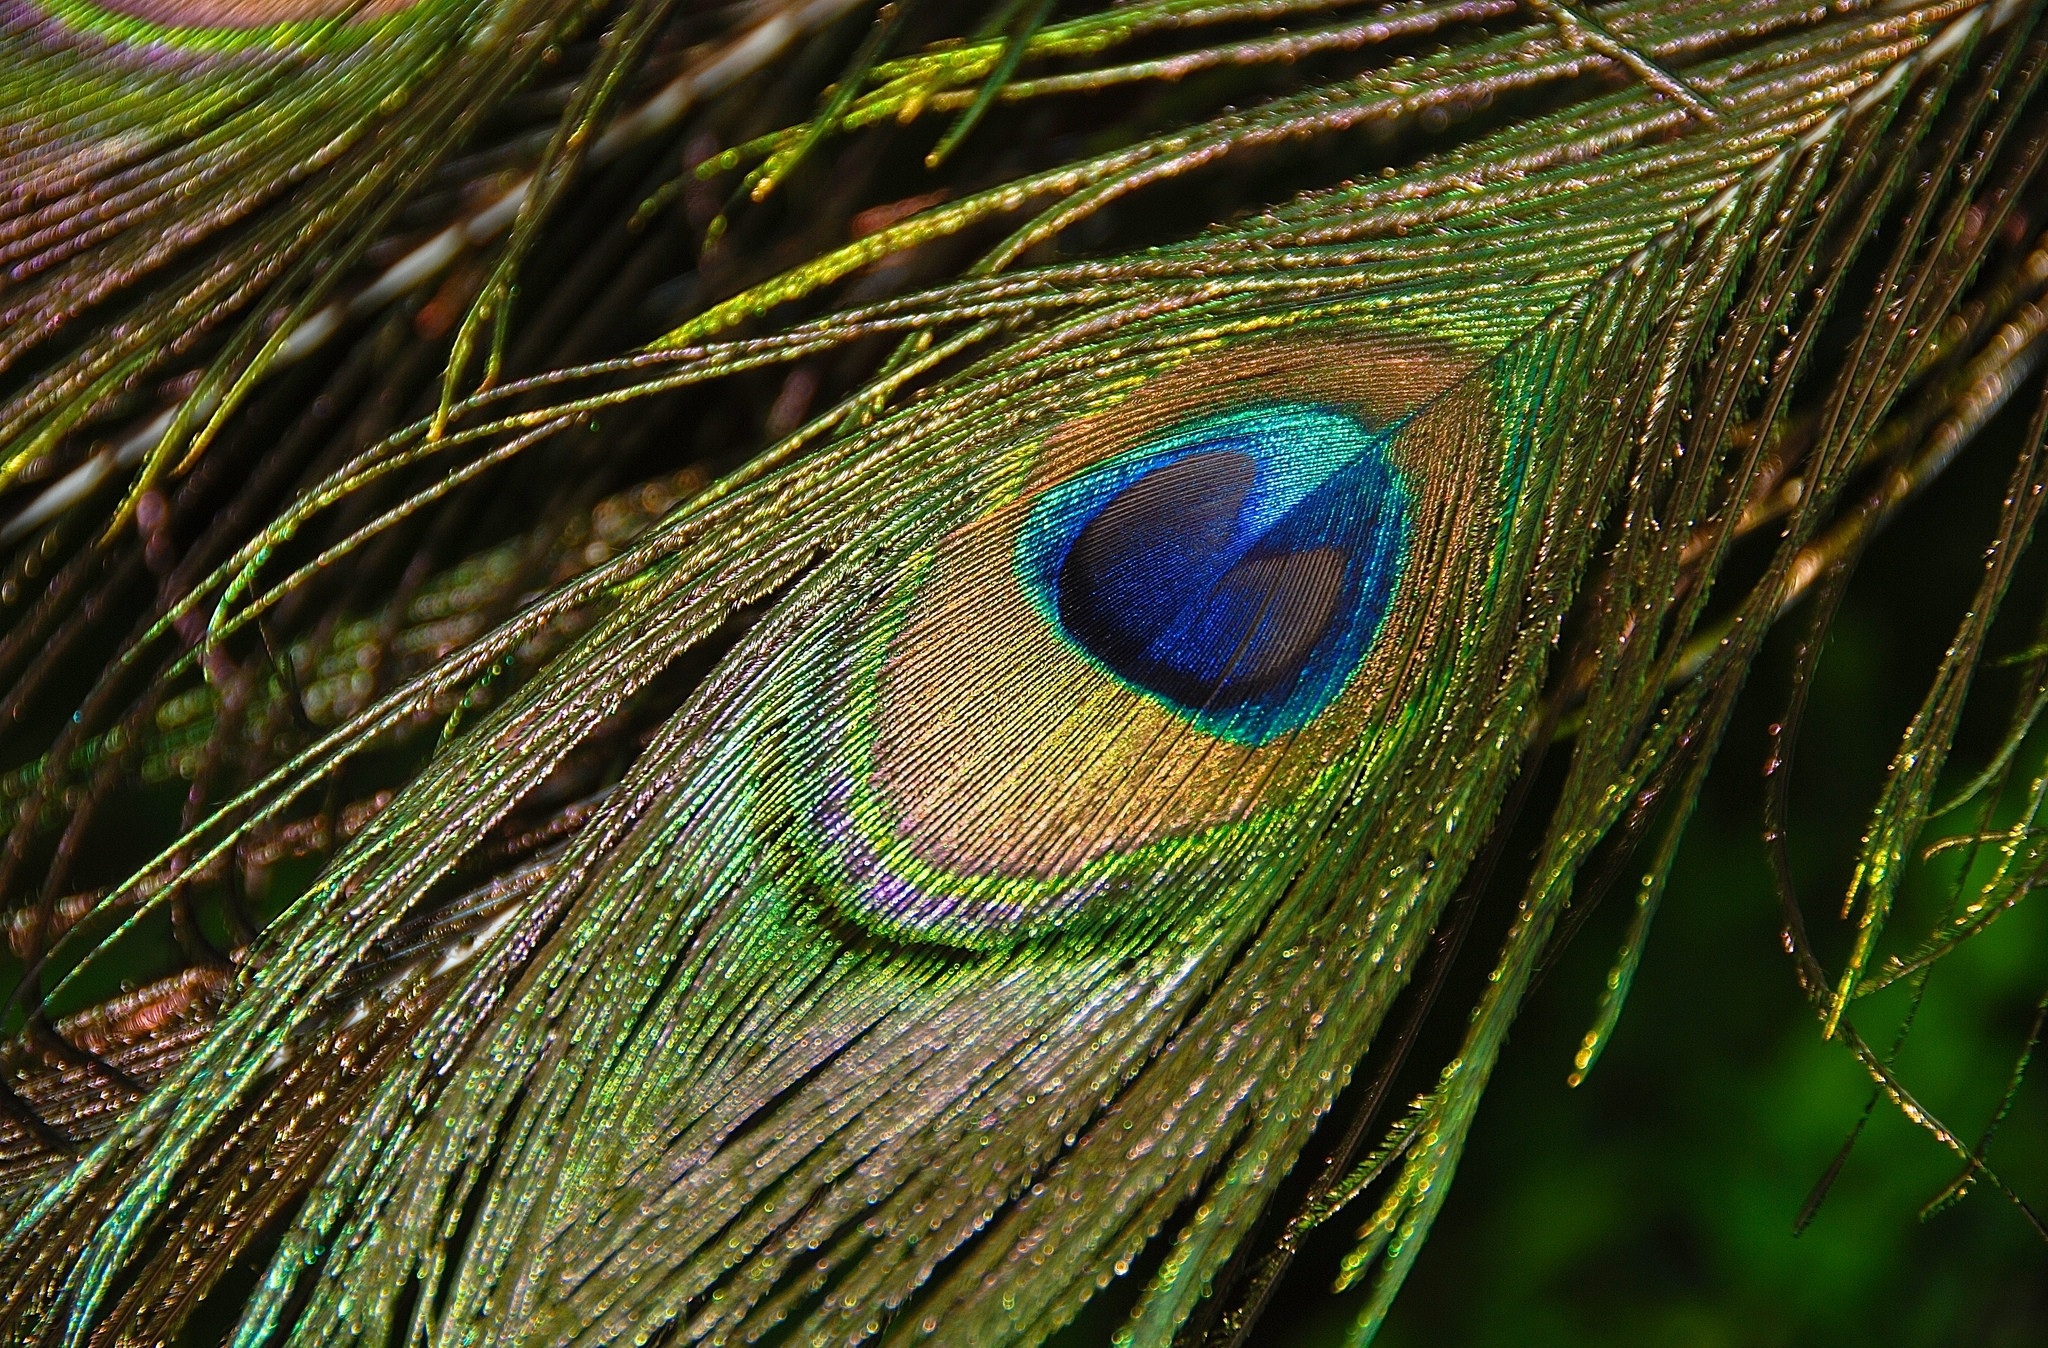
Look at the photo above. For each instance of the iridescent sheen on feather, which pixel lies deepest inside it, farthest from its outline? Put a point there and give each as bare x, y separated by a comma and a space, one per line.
1176, 630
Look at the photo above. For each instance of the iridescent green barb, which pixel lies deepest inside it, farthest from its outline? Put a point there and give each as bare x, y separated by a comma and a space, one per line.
960, 856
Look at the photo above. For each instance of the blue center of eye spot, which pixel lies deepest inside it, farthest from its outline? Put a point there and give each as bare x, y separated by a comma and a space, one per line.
1235, 568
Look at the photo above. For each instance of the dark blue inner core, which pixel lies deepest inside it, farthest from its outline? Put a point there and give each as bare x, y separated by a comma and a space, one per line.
1149, 588
1237, 569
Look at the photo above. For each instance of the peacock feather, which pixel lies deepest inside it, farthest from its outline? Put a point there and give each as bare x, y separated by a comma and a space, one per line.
807, 673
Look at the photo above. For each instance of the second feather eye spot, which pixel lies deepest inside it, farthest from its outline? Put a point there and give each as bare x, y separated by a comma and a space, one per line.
1235, 568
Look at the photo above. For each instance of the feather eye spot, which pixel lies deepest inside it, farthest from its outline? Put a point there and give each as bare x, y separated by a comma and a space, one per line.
1178, 617
1235, 569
